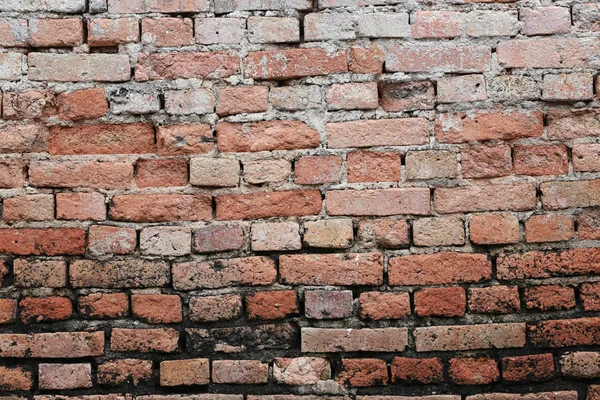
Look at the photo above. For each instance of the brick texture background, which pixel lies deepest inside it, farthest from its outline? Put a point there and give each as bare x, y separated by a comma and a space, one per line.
299, 200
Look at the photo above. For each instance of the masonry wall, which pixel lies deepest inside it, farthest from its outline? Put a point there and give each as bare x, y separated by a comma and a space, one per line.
299, 200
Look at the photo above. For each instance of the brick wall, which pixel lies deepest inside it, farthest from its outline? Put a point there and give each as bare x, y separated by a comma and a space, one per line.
299, 200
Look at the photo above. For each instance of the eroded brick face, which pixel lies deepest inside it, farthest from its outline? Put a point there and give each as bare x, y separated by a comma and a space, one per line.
299, 200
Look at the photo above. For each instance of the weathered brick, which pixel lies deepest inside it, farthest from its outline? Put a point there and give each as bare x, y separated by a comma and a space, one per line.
42, 241
158, 6
268, 204
384, 305
494, 229
215, 308
157, 308
484, 125
494, 299
269, 305
14, 32
470, 337
12, 174
382, 132
23, 138
166, 241
323, 340
590, 296
588, 224
161, 172
514, 88
545, 20
185, 372
112, 32
430, 164
564, 395
565, 333
318, 169
586, 157
557, 195
329, 26
265, 136
17, 378
40, 273
134, 102
517, 197
437, 58
301, 370
35, 207
381, 25
539, 264
292, 98
240, 371
265, 171
530, 368
226, 6
437, 24
223, 273
366, 60
53, 345
167, 32
572, 124
482, 161
51, 32
438, 231
548, 53
144, 340
214, 172
273, 30
491, 23
78, 67
549, 297
406, 96
328, 304
473, 371
124, 371
161, 207
8, 314
28, 104
192, 101
45, 309
64, 376
215, 238
585, 17
184, 139
330, 233
568, 87
220, 30
10, 66
276, 236
440, 302
82, 104
103, 240
293, 63
460, 89
159, 66
385, 233
580, 365
104, 305
75, 174
360, 372
352, 96
128, 273
378, 202
417, 370
549, 228
242, 99
80, 206
439, 268
332, 269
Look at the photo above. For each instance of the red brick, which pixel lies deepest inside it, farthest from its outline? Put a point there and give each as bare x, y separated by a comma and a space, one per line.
124, 371
516, 197
363, 166
14, 33
573, 124
407, 96
548, 53
379, 202
45, 309
240, 371
549, 228
586, 157
494, 299
545, 20
386, 233
301, 370
215, 308
382, 132
144, 340
13, 379
293, 63
12, 174
437, 58
565, 333
35, 207
242, 99
332, 269
264, 204
8, 312
360, 372
185, 372
42, 241
40, 273
111, 240
473, 371
265, 136
78, 174
82, 104
50, 32
437, 24
79, 67
167, 32
53, 345
549, 297
269, 305
323, 340
161, 208
64, 376
590, 296
539, 264
27, 138
328, 304
184, 139
439, 268
115, 274
259, 271
103, 139
440, 302
29, 104
352, 96
530, 368
168, 66
161, 172
318, 169
417, 370
80, 206
384, 305
157, 308
557, 195
541, 160
494, 229
462, 127
112, 32
588, 224
366, 60
104, 305
216, 238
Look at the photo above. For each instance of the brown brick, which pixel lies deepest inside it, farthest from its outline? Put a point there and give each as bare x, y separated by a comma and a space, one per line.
494, 299
104, 305
240, 371
126, 273
85, 173
530, 368
216, 238
323, 340
359, 372
541, 160
588, 224
352, 96
438, 231
417, 370
473, 371
64, 376
144, 340
440, 302
12, 379
590, 296
185, 372
215, 308
406, 96
184, 139
580, 365
45, 309
52, 345
470, 337
40, 273
565, 333
8, 312
482, 161
549, 297
124, 371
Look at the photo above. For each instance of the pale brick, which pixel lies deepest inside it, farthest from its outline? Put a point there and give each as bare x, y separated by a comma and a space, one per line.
439, 231
216, 172
384, 25
273, 30
292, 98
330, 233
184, 102
166, 241
545, 20
320, 340
329, 26
79, 67
470, 337
266, 171
430, 164
570, 87
459, 89
220, 30
276, 236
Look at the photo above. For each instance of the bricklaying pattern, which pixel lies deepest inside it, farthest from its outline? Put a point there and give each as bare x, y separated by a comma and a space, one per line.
299, 200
